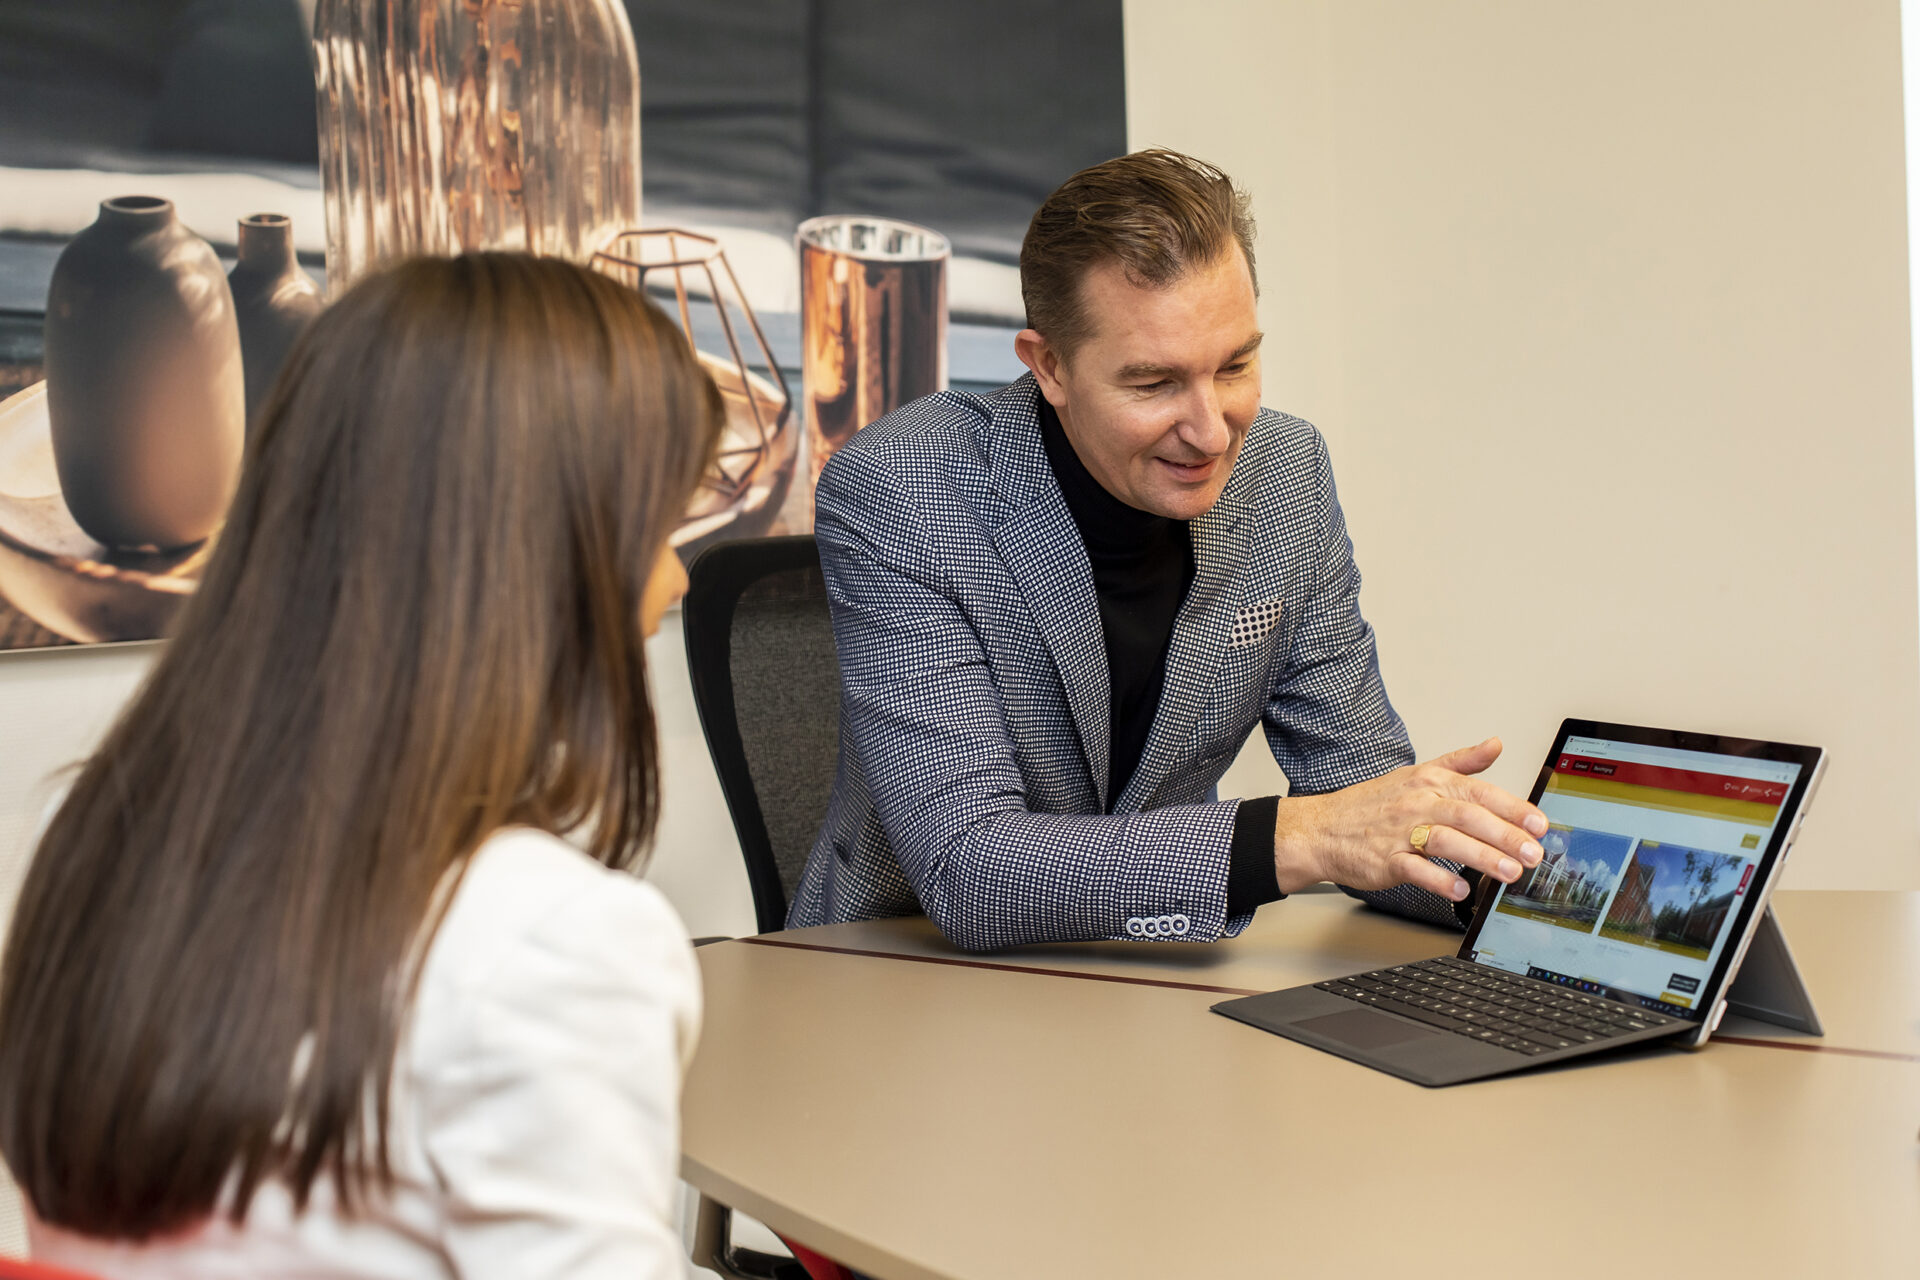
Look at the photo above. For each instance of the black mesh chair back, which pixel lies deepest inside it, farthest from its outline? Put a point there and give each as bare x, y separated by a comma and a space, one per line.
767, 686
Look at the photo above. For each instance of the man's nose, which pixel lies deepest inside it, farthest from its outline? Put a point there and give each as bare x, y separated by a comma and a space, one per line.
1204, 425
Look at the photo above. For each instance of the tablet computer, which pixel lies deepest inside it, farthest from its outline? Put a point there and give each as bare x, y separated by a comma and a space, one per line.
1662, 849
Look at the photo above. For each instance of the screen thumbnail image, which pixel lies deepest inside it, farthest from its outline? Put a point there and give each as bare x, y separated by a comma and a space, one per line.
1570, 883
1674, 898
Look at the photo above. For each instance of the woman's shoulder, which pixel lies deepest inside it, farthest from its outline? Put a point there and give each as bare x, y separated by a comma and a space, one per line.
534, 917
538, 1095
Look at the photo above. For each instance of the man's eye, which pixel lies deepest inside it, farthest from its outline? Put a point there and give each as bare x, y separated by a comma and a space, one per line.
1153, 386
1235, 370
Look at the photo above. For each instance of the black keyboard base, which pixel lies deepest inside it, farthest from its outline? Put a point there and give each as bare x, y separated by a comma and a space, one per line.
1524, 1015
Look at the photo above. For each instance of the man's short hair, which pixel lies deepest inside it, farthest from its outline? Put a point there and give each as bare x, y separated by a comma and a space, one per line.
1157, 213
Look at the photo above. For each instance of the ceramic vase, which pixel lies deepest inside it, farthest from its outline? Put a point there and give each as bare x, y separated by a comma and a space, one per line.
145, 390
273, 299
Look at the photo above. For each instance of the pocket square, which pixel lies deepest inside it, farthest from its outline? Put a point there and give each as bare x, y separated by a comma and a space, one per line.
1252, 624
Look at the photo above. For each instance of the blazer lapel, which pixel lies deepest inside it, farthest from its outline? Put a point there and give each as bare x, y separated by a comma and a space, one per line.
1041, 547
1221, 539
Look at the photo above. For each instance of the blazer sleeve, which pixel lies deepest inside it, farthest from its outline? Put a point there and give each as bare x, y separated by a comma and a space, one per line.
551, 1118
927, 722
1327, 717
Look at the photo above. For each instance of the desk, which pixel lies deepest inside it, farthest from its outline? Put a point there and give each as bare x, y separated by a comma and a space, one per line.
1075, 1110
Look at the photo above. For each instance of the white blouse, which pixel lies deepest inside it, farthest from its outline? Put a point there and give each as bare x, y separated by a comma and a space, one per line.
535, 1121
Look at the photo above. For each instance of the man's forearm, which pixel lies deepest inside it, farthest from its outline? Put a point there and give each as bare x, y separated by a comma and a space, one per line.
1019, 877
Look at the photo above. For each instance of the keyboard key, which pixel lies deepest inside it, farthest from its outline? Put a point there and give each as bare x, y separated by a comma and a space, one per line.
1422, 1015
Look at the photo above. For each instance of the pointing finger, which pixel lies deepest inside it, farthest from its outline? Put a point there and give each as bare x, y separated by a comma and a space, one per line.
1505, 804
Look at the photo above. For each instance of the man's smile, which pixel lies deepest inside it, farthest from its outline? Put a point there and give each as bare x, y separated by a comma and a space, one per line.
1190, 472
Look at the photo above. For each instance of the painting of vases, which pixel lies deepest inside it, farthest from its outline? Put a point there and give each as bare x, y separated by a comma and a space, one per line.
846, 213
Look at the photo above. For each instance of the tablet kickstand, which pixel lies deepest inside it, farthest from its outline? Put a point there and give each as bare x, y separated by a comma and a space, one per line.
1769, 986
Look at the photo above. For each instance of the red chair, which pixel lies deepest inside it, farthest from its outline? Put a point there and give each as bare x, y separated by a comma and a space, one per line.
818, 1267
21, 1269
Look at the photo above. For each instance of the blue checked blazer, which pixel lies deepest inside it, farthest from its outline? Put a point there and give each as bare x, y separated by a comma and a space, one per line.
974, 688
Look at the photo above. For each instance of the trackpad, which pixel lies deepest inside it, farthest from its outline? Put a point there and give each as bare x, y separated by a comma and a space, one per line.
1365, 1030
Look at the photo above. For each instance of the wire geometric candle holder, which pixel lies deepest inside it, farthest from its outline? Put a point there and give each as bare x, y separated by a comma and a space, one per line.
752, 474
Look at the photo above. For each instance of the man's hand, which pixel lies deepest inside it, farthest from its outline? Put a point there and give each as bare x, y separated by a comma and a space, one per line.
1359, 836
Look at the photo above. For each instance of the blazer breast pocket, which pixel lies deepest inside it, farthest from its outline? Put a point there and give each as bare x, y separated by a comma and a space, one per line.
1255, 623
1239, 685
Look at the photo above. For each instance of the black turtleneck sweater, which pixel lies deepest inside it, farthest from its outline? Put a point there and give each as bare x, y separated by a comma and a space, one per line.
1142, 568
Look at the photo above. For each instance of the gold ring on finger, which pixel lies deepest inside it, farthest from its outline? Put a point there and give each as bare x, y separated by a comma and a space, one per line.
1418, 837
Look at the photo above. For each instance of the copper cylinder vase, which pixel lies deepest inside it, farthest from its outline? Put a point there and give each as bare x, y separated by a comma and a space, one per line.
873, 305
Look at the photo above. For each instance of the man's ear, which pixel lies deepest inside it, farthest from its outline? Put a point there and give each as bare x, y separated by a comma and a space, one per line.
1043, 358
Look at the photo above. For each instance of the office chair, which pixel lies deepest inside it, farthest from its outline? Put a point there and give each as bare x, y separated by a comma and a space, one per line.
766, 683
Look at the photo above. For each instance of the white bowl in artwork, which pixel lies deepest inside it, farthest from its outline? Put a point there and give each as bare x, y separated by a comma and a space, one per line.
53, 571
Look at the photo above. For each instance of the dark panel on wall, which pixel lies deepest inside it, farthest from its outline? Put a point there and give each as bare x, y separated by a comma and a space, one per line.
964, 114
961, 114
723, 105
238, 82
210, 78
79, 74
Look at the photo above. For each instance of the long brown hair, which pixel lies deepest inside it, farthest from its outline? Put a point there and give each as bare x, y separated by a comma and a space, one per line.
421, 624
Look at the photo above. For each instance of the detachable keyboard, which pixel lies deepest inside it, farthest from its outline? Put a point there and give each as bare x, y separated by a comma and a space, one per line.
1526, 1015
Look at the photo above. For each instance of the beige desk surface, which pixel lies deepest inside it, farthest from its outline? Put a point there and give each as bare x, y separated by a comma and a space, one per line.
918, 1112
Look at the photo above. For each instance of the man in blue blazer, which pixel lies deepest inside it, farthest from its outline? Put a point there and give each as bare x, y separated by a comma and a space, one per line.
1061, 608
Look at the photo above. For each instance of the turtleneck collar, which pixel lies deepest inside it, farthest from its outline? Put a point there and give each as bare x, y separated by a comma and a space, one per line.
1107, 525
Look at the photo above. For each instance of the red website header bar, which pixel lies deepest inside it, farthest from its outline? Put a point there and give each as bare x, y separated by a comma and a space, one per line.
1691, 781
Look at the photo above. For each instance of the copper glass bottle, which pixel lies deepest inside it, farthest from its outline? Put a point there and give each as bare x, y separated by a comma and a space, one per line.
448, 125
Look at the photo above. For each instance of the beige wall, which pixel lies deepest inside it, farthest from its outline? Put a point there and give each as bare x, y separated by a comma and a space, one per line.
1603, 309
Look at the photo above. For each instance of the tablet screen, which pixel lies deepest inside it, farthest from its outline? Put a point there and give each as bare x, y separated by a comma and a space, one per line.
1649, 855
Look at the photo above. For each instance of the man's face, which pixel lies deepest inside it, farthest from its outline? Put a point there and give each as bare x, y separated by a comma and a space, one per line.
1158, 396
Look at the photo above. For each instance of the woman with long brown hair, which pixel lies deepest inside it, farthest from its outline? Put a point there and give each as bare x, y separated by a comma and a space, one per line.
303, 979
